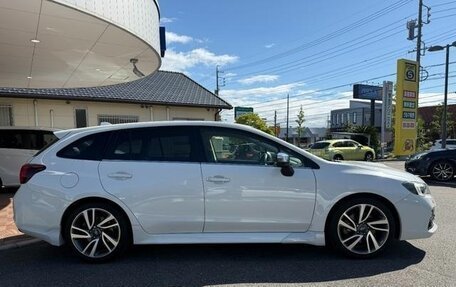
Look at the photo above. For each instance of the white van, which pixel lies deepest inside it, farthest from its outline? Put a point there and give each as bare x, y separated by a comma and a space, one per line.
450, 144
17, 146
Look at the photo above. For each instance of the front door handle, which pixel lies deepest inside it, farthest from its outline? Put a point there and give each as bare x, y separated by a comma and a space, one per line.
218, 179
121, 175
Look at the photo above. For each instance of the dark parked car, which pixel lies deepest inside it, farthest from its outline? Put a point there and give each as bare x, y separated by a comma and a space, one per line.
440, 164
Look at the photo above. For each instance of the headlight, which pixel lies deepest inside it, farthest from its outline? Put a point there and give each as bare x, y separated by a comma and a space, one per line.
417, 188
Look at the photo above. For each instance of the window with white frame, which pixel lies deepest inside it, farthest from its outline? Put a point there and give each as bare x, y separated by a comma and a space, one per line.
6, 115
117, 119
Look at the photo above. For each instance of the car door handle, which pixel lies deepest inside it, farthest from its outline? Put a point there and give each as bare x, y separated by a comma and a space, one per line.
218, 179
120, 175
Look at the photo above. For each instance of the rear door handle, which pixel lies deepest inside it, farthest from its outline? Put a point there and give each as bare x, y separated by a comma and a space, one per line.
218, 179
120, 175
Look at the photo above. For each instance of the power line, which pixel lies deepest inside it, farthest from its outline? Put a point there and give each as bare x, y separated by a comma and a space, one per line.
329, 36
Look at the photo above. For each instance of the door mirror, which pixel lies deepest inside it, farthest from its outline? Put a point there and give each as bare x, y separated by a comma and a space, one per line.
283, 159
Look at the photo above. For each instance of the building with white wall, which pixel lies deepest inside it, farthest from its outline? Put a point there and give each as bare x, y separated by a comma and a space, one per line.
77, 43
157, 97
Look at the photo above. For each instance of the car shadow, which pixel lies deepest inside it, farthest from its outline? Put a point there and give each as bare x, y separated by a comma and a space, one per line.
6, 194
429, 181
201, 265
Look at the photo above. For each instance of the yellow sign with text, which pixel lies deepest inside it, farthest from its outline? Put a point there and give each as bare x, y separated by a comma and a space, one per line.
406, 114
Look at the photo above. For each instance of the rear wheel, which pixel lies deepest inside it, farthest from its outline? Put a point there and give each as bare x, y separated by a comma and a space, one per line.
338, 157
442, 170
361, 228
97, 232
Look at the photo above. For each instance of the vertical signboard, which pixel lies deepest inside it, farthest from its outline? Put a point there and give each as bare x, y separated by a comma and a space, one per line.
406, 108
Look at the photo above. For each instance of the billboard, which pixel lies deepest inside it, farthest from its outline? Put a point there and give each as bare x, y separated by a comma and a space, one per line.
406, 108
367, 92
239, 111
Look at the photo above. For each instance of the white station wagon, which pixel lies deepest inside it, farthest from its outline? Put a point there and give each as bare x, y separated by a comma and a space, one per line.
102, 189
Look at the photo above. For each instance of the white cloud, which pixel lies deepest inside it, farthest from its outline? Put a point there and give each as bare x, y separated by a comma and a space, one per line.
176, 38
269, 46
165, 20
259, 79
261, 91
182, 61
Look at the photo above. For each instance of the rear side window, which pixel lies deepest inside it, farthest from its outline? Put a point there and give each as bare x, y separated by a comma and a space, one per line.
321, 145
25, 139
90, 147
154, 144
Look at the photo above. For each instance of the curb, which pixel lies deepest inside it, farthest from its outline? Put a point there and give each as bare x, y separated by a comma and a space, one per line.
17, 242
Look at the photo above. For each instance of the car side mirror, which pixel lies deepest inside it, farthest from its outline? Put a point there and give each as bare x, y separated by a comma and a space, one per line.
283, 161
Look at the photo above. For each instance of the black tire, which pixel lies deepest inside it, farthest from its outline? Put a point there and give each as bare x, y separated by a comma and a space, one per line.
442, 170
339, 236
108, 241
338, 157
369, 156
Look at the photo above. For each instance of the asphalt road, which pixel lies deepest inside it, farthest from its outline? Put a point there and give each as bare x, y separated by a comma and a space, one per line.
429, 262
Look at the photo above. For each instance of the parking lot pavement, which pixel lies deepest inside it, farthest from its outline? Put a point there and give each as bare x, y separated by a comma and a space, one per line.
10, 237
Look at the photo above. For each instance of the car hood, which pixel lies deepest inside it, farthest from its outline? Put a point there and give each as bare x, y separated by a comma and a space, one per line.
379, 169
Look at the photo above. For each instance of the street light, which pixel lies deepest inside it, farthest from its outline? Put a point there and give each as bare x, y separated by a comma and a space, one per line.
444, 124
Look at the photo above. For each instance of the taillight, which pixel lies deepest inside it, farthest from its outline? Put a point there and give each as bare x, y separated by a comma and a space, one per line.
29, 170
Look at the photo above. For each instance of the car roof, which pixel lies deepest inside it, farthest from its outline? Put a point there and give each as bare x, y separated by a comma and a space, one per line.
334, 141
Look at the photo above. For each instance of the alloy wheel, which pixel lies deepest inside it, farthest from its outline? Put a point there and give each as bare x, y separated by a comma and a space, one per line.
95, 232
363, 229
442, 171
369, 157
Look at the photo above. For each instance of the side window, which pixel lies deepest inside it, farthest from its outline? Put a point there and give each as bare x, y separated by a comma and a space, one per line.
237, 147
350, 144
153, 144
90, 147
338, 144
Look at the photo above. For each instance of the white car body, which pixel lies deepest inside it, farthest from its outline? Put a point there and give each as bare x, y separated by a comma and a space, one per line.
203, 202
13, 157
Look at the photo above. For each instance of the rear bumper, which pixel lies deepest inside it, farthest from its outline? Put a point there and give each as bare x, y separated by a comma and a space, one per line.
417, 215
38, 214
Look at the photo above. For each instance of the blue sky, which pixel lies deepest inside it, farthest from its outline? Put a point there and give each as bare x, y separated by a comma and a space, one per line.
312, 50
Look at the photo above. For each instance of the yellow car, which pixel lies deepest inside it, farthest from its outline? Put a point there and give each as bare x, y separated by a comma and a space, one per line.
342, 149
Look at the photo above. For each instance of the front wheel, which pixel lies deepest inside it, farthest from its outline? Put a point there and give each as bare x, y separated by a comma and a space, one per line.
369, 156
442, 170
97, 232
361, 228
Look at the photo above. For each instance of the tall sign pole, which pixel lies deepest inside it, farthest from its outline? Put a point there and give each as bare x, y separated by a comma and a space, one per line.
288, 115
406, 107
387, 103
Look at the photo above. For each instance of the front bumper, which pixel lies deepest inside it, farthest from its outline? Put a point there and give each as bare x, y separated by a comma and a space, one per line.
418, 167
417, 215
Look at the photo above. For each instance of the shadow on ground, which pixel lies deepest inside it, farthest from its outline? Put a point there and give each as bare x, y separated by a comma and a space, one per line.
200, 265
431, 182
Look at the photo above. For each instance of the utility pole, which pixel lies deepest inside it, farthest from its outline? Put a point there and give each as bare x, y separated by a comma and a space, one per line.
418, 39
275, 123
445, 107
217, 80
288, 114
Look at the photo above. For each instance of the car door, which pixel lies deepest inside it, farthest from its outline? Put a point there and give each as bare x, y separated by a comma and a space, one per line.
354, 150
156, 172
246, 192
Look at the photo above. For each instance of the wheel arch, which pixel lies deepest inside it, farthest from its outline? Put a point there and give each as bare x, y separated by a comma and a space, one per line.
382, 199
93, 199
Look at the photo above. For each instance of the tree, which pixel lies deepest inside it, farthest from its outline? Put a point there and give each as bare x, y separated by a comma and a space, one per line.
255, 121
436, 124
300, 121
369, 130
